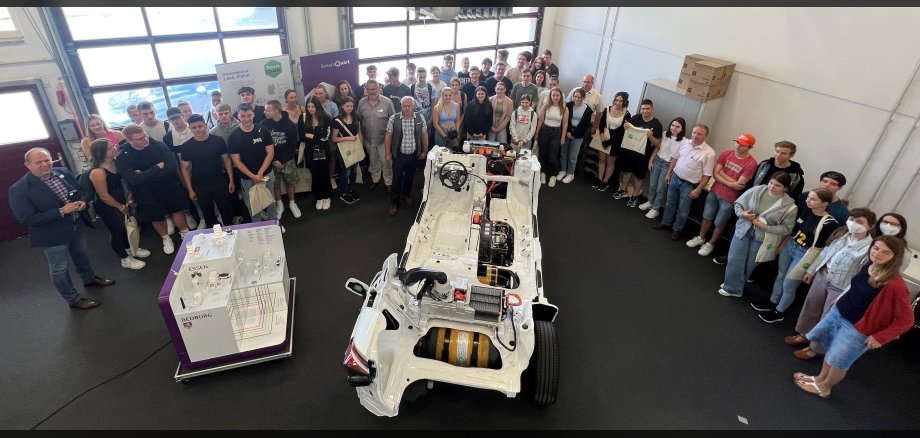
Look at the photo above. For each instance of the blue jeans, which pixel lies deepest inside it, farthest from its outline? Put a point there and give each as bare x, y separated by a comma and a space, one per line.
718, 210
272, 208
347, 176
59, 258
569, 154
783, 288
678, 203
657, 189
741, 256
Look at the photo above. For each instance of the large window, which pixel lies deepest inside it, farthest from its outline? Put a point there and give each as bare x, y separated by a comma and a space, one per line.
164, 55
393, 36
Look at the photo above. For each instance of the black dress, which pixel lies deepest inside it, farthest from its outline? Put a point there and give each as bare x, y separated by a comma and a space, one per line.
318, 153
113, 219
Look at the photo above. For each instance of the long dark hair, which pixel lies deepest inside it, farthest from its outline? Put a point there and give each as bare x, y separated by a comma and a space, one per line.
683, 128
321, 115
354, 110
474, 107
98, 149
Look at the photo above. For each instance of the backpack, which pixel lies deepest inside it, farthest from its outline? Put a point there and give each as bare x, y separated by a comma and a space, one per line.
85, 186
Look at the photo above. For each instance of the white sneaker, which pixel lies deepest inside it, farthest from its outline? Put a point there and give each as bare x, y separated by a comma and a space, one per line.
182, 234
568, 178
280, 207
334, 185
168, 246
141, 252
170, 226
327, 203
201, 225
645, 206
132, 263
283, 230
706, 249
319, 204
542, 178
552, 181
192, 223
695, 242
560, 175
295, 210
652, 214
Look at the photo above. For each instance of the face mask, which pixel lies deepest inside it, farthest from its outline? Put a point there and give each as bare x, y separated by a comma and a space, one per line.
889, 230
855, 227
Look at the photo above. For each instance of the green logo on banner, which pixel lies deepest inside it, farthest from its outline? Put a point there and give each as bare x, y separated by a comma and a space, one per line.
272, 68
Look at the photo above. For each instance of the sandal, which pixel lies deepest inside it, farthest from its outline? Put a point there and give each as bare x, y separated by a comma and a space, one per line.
802, 377
795, 340
806, 353
812, 388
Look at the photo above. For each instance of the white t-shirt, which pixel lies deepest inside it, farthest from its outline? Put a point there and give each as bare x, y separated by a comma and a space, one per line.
668, 146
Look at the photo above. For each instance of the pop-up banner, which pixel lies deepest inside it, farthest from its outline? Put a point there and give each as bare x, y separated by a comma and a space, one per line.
270, 77
329, 67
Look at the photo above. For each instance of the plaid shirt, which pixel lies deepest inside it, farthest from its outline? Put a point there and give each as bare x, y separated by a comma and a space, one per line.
57, 186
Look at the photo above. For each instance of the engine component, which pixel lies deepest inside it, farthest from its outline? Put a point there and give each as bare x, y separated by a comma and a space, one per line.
459, 348
495, 276
496, 243
487, 303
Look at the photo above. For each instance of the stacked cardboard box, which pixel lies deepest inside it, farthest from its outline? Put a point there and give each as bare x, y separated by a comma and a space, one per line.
704, 77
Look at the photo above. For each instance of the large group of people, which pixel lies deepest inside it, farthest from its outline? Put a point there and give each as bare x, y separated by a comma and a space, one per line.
199, 169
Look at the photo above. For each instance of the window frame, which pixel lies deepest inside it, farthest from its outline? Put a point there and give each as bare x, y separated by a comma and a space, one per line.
86, 91
15, 34
352, 26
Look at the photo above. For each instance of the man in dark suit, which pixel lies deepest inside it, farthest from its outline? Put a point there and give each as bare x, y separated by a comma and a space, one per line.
46, 201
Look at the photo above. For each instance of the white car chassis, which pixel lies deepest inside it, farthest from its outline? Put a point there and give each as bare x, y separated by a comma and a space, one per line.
463, 304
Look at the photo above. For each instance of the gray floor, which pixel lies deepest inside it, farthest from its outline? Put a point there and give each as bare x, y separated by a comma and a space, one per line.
646, 341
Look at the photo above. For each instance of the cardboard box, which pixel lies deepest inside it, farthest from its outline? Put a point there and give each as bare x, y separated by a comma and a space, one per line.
683, 81
703, 92
706, 69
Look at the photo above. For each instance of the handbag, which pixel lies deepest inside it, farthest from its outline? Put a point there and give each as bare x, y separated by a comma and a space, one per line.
352, 151
800, 268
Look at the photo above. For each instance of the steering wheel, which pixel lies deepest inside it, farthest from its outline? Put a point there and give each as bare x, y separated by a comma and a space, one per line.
453, 175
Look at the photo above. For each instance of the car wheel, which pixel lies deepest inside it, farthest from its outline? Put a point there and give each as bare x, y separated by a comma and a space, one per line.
545, 364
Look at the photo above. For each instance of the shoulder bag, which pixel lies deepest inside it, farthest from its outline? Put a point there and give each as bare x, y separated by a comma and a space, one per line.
352, 151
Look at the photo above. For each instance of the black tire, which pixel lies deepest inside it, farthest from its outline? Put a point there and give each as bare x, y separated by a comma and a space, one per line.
545, 364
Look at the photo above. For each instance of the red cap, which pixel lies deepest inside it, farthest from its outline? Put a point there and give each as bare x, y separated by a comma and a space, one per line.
745, 140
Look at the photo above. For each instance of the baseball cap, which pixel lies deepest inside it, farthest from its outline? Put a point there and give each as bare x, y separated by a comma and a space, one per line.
246, 89
745, 140
393, 71
173, 113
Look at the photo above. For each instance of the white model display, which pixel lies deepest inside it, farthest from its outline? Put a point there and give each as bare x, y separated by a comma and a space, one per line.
228, 298
463, 303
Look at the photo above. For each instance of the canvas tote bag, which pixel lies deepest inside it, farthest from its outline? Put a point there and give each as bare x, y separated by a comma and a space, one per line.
352, 151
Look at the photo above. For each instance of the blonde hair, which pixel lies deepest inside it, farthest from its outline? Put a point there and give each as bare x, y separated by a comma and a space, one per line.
90, 132
549, 101
442, 102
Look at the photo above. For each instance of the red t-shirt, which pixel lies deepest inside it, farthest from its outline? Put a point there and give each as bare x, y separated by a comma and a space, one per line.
736, 168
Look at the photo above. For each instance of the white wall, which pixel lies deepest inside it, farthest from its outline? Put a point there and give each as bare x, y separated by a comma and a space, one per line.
311, 30
829, 79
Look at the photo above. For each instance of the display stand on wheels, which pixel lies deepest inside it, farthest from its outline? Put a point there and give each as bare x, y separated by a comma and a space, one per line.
228, 299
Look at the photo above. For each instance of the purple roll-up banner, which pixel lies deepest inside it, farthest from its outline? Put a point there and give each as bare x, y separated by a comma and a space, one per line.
329, 67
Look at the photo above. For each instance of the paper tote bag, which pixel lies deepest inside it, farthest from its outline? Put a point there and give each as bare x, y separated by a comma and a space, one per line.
635, 139
352, 151
597, 141
134, 234
260, 197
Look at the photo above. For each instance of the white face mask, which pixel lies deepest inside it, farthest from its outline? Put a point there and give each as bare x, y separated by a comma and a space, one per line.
889, 230
855, 227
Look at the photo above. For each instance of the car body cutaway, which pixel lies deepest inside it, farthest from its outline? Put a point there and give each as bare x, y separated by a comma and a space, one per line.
463, 303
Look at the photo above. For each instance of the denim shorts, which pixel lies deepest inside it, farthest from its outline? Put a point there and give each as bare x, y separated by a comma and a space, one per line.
843, 343
717, 210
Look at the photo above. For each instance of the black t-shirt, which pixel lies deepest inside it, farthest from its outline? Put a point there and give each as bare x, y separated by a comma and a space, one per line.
492, 82
250, 146
284, 136
129, 160
803, 233
653, 124
396, 93
207, 166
